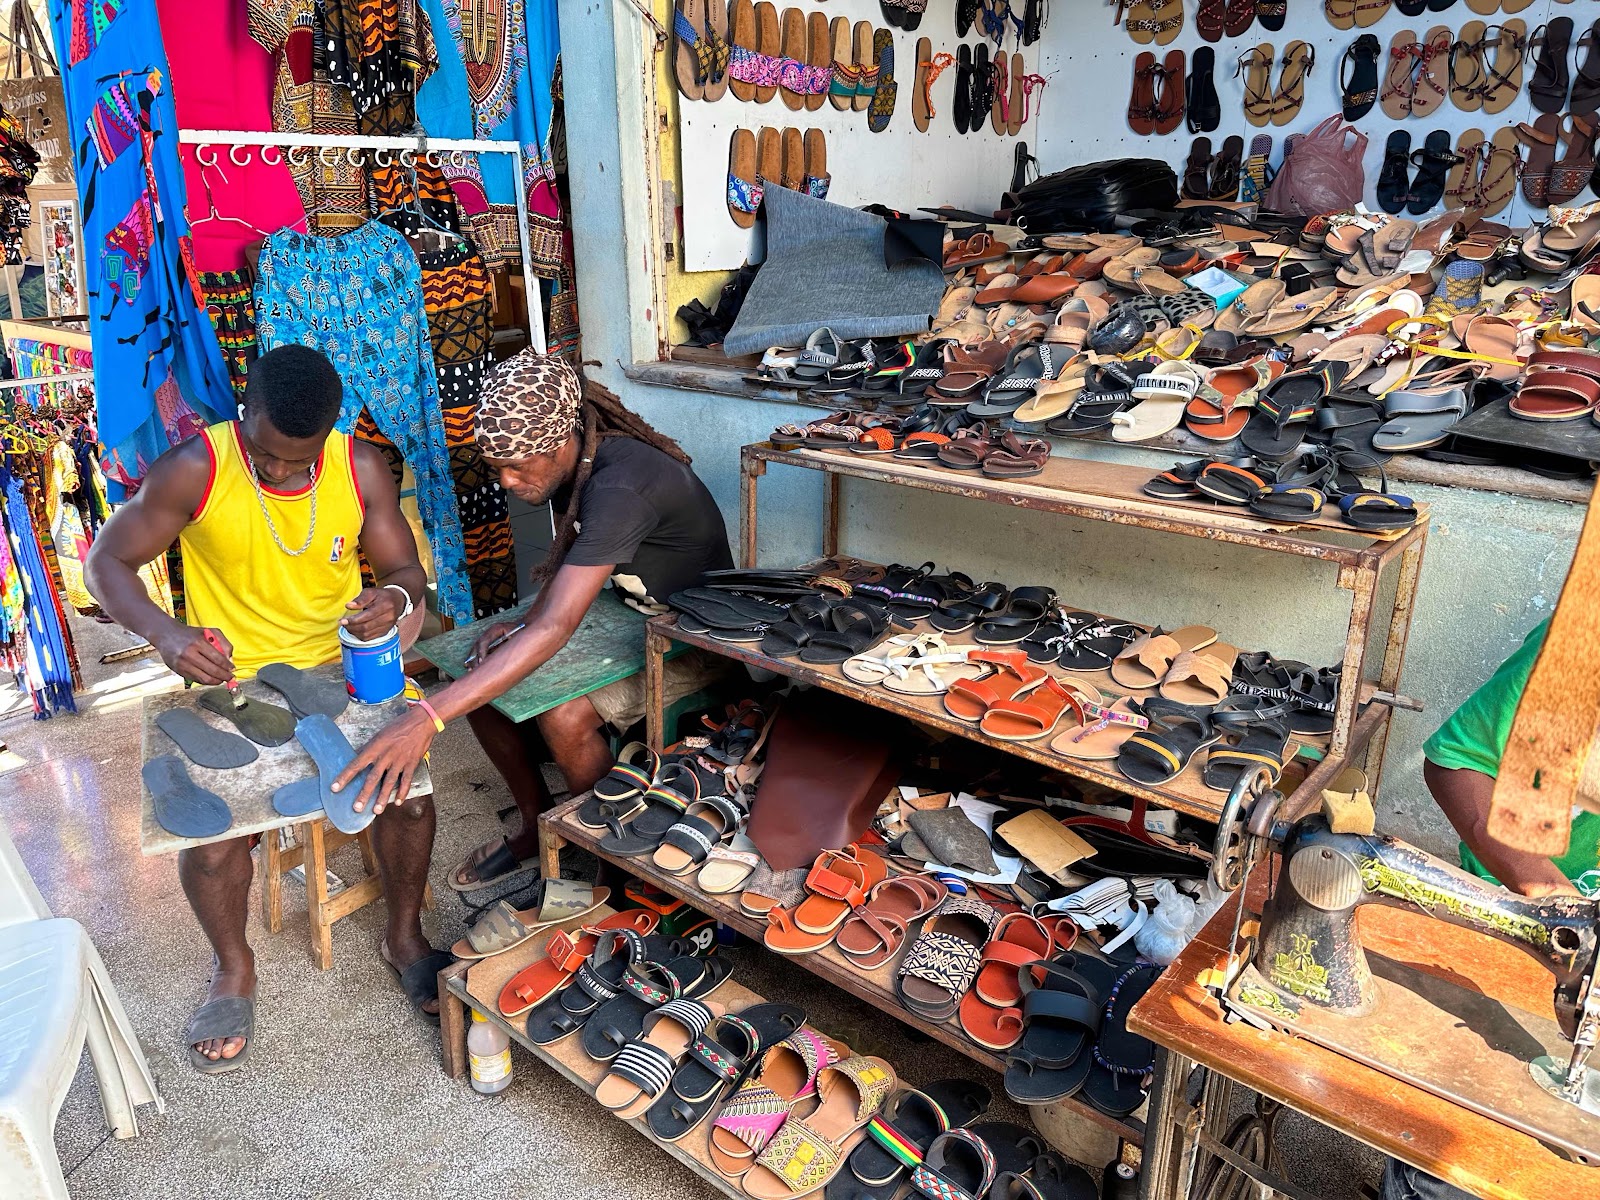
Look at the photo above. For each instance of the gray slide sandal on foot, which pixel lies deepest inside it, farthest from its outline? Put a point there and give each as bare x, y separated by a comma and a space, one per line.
206, 746
298, 799
183, 808
305, 694
331, 751
226, 1017
264, 724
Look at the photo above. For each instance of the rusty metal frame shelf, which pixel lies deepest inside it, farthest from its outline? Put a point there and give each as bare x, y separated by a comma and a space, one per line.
560, 827
1110, 492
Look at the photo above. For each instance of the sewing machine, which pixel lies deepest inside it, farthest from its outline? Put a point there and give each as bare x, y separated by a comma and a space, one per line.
1301, 967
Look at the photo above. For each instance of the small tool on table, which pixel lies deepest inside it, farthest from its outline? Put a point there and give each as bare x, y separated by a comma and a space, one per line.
233, 684
498, 642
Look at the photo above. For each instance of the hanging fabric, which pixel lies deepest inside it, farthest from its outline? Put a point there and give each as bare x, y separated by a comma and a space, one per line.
143, 313
357, 297
66, 523
40, 650
231, 306
458, 297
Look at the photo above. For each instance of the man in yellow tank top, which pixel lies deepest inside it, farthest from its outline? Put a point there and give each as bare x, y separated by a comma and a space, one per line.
270, 511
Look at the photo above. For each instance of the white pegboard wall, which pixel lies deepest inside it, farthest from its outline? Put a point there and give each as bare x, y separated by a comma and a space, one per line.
900, 167
1089, 62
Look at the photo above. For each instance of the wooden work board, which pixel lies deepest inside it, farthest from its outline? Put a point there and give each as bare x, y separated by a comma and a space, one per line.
608, 645
1464, 1148
248, 790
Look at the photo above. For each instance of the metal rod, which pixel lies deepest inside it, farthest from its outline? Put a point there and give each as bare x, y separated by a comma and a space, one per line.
420, 143
530, 281
41, 380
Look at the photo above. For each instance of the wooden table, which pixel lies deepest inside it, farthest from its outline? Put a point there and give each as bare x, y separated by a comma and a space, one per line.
608, 645
1463, 1148
248, 790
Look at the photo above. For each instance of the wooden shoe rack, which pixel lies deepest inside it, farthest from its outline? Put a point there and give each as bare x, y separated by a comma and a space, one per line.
1087, 490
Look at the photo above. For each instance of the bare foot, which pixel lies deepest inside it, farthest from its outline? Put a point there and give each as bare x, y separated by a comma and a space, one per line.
411, 950
233, 982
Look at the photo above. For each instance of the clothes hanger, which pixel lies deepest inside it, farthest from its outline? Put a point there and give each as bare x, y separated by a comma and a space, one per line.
408, 159
211, 202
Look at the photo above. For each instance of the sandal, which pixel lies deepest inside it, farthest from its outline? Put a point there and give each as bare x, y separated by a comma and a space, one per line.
1060, 1018
596, 956
900, 1136
1036, 715
645, 987
728, 867
1399, 81
1025, 607
1253, 739
760, 1105
1144, 663
1358, 76
874, 932
943, 961
1298, 59
1123, 1061
1200, 677
505, 928
918, 664
959, 1165
808, 1151
838, 882
1502, 81
1158, 755
720, 1056
1547, 90
1103, 731
705, 825
643, 1070
492, 863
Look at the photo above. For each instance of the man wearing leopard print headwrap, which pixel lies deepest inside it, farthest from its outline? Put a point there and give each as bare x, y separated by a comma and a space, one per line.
628, 510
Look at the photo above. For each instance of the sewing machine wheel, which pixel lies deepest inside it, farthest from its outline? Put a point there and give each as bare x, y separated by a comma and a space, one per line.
1236, 848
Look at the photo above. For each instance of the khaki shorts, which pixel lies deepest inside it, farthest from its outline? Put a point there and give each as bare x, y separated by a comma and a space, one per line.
620, 704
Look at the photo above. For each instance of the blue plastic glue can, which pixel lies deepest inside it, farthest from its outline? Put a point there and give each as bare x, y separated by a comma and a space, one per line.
373, 671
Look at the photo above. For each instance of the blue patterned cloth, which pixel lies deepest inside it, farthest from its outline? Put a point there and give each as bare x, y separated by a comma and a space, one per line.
48, 669
357, 297
149, 334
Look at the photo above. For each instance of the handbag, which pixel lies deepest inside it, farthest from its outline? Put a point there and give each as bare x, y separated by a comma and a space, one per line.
829, 764
1324, 174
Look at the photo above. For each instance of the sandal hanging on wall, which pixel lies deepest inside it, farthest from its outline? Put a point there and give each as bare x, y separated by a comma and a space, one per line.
819, 57
744, 48
1541, 138
1017, 114
1461, 184
1400, 79
1142, 111
718, 49
1432, 81
1201, 102
1170, 93
883, 99
846, 75
1271, 14
1551, 77
744, 187
1466, 74
1358, 76
1256, 68
1298, 59
866, 65
961, 106
1502, 163
769, 45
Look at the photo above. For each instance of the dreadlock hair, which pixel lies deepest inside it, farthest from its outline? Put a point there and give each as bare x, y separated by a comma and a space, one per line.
601, 416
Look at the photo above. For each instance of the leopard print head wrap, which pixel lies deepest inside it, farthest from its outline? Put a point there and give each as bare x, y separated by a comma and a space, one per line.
531, 404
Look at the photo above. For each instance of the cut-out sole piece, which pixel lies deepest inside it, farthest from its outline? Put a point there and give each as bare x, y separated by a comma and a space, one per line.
203, 745
264, 724
305, 693
298, 799
182, 807
330, 750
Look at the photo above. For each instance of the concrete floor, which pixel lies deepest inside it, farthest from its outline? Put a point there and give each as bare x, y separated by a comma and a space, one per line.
343, 1096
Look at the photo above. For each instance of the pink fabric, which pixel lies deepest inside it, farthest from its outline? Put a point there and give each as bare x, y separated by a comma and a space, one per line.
221, 79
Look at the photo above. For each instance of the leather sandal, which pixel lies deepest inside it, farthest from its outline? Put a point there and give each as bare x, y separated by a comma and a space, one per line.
1358, 76
874, 932
1548, 88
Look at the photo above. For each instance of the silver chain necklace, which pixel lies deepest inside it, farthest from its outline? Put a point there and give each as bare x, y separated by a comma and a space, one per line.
261, 500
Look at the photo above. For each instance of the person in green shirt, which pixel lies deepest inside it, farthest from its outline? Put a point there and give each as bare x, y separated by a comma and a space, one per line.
1463, 758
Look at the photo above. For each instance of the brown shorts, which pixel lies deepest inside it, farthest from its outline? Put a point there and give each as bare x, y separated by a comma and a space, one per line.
620, 704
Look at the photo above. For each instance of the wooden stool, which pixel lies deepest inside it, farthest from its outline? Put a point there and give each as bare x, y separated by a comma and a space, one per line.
314, 842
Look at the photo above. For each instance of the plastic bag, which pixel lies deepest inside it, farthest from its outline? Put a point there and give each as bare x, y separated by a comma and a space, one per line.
1324, 174
1171, 925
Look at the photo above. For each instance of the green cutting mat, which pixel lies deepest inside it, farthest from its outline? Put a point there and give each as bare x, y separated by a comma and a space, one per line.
608, 645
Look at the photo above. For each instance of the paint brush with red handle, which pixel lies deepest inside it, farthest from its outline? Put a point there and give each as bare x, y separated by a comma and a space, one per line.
233, 684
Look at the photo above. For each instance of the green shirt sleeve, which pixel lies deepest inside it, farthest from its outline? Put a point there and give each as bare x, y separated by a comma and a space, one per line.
1475, 736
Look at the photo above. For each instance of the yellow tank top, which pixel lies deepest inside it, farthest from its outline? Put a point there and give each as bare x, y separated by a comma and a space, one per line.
272, 606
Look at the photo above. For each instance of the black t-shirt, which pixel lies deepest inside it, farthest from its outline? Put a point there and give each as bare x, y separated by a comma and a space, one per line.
650, 515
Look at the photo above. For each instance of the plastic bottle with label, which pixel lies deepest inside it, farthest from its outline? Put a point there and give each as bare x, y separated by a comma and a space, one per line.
489, 1055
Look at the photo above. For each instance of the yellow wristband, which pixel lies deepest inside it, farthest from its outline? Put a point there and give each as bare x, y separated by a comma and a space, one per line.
422, 703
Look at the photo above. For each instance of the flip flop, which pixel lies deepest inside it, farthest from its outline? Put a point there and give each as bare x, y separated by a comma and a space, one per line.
1017, 117
263, 723
203, 744
304, 693
820, 55
716, 34
182, 807
1122, 1060
769, 44
331, 751
744, 182
744, 38
688, 61
1099, 738
217, 1020
928, 69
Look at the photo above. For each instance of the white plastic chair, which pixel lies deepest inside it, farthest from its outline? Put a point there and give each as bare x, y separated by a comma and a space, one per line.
55, 994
